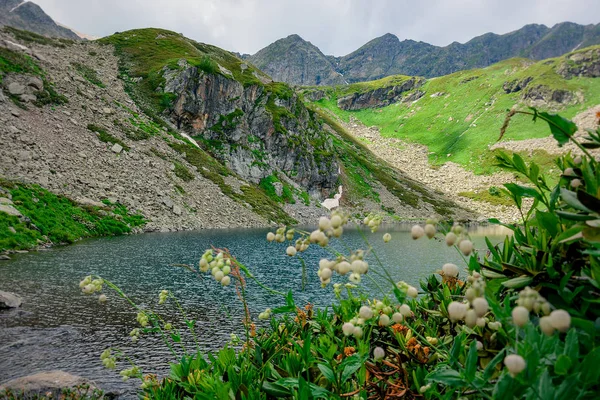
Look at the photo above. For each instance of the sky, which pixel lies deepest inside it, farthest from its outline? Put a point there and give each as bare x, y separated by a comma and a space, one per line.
337, 27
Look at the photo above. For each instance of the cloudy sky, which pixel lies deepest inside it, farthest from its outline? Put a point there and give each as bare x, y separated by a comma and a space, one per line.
336, 26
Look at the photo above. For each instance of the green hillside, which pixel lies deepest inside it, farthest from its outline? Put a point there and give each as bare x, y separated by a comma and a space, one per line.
460, 115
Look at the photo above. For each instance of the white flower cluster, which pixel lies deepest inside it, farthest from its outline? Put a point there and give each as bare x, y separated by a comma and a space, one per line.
559, 320
135, 334
337, 287
515, 364
533, 301
108, 360
162, 296
356, 266
133, 372
473, 312
89, 286
219, 267
383, 313
142, 319
265, 314
456, 236
373, 221
409, 290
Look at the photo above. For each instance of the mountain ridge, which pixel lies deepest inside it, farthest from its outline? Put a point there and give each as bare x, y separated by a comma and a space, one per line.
387, 55
29, 16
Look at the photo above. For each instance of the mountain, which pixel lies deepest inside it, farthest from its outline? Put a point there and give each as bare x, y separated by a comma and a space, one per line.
295, 61
387, 55
29, 16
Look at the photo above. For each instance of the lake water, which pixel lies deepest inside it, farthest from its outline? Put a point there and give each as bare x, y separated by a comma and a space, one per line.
60, 328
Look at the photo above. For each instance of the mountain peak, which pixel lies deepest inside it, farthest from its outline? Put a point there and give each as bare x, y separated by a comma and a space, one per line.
29, 16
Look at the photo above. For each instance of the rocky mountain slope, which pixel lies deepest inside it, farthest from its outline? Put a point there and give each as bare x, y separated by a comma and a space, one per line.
296, 61
387, 55
29, 16
187, 136
457, 118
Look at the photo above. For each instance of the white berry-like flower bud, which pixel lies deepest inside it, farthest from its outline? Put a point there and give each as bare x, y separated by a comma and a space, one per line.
343, 268
515, 364
412, 292
405, 310
480, 322
102, 298
450, 270
577, 160
291, 251
326, 273
270, 236
348, 328
378, 353
546, 326
520, 316
569, 172
384, 320
357, 332
336, 221
450, 238
471, 318
417, 232
466, 247
219, 275
457, 311
480, 305
479, 346
470, 294
430, 230
561, 320
226, 280
387, 237
575, 183
397, 317
354, 278
365, 312
324, 223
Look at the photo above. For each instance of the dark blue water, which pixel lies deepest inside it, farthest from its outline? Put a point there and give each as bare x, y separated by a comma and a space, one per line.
60, 328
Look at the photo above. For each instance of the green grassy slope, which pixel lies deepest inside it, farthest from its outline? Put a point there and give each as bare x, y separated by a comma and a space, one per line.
460, 114
57, 219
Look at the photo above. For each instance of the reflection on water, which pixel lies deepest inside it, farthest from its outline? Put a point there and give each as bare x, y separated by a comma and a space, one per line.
59, 328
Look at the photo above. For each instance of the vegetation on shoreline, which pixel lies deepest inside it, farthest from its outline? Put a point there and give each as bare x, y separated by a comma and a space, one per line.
519, 321
49, 218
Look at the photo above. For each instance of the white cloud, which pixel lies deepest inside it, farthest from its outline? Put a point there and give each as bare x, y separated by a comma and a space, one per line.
335, 26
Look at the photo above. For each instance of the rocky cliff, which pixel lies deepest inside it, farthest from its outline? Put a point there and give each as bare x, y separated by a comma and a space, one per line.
29, 16
387, 55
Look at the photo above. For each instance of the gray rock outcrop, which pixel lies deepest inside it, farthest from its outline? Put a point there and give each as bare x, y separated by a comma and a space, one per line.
44, 382
9, 300
382, 96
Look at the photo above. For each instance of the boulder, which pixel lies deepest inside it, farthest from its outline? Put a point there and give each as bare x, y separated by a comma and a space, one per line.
44, 382
117, 148
16, 89
177, 210
9, 300
35, 83
10, 210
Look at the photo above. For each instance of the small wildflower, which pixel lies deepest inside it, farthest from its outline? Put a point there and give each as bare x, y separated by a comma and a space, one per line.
365, 312
162, 296
412, 292
546, 326
417, 232
397, 317
451, 238
384, 320
357, 332
343, 268
457, 311
168, 326
569, 172
480, 322
479, 346
561, 320
450, 270
430, 230
471, 318
575, 183
348, 328
324, 223
354, 278
378, 354
577, 160
387, 237
291, 251
466, 247
405, 310
265, 314
270, 236
424, 388
515, 364
336, 221
102, 298
226, 280
520, 316
142, 319
481, 306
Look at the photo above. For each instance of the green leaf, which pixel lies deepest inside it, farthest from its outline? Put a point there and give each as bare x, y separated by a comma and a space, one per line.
276, 390
588, 200
351, 365
522, 191
571, 199
491, 367
562, 365
176, 338
574, 217
447, 377
471, 363
327, 372
591, 234
518, 282
505, 388
562, 129
589, 372
547, 221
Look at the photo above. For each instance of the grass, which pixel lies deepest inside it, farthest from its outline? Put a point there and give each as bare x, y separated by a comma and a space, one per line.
287, 192
460, 124
106, 137
89, 74
182, 172
485, 195
58, 219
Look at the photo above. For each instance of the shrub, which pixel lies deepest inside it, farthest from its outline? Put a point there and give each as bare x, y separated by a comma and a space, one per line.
521, 323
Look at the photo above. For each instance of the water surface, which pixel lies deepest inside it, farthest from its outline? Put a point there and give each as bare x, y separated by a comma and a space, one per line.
60, 328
